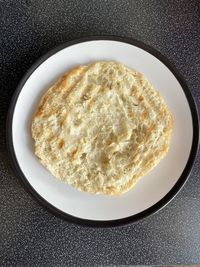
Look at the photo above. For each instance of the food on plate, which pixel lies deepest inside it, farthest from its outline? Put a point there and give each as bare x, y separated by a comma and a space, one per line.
101, 127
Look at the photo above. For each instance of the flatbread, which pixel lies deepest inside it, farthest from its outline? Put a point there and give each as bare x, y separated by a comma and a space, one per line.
100, 127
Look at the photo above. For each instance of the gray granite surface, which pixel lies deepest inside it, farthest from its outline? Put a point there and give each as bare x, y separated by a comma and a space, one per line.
30, 235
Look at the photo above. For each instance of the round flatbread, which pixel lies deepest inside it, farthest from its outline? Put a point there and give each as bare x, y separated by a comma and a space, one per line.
100, 127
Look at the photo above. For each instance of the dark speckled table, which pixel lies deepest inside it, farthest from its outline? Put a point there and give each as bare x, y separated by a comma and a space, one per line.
31, 236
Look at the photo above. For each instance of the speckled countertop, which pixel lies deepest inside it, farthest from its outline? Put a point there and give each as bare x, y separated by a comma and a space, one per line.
31, 236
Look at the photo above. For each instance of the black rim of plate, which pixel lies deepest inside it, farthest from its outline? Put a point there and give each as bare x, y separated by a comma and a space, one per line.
127, 220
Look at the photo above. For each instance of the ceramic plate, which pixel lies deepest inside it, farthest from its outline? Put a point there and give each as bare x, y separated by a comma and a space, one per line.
153, 190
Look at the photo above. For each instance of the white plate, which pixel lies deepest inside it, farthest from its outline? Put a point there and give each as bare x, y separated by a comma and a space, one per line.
152, 191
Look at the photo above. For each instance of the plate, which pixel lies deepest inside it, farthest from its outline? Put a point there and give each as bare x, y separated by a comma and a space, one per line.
153, 190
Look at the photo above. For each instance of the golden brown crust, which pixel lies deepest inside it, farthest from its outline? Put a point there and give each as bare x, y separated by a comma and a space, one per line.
62, 86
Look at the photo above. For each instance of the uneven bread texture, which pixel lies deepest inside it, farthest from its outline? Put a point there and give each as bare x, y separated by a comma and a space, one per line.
100, 127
